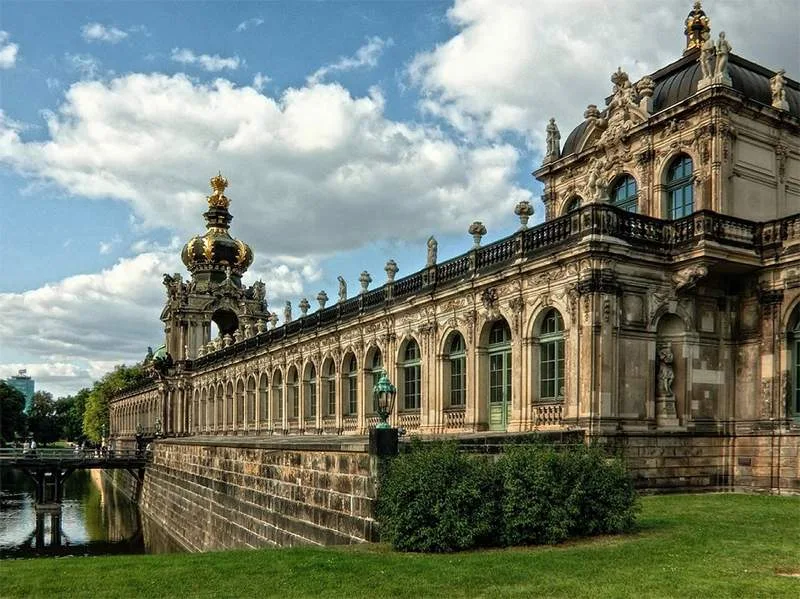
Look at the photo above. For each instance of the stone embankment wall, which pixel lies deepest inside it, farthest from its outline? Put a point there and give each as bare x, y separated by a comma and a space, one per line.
212, 494
755, 461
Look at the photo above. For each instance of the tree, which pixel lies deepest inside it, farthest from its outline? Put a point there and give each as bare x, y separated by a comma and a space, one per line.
95, 416
12, 419
70, 412
43, 422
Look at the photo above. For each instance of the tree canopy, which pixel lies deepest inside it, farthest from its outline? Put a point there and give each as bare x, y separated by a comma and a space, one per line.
95, 416
12, 419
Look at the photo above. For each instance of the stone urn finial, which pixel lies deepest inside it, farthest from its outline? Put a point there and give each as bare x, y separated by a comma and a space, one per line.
304, 306
322, 298
201, 351
237, 336
524, 210
365, 280
477, 230
260, 326
227, 340
391, 270
273, 320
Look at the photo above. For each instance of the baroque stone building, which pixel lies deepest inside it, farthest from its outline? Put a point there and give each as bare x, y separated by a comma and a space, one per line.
657, 306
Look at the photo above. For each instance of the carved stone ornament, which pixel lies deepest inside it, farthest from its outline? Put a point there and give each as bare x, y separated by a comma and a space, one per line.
524, 210
489, 298
342, 288
322, 299
304, 306
688, 277
553, 142
433, 250
391, 270
365, 279
477, 230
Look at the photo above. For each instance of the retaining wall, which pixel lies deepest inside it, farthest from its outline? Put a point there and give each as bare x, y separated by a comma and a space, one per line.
212, 494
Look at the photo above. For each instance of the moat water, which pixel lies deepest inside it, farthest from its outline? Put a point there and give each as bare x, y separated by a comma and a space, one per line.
96, 519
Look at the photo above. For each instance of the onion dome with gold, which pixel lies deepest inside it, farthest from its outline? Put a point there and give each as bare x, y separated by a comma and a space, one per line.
216, 252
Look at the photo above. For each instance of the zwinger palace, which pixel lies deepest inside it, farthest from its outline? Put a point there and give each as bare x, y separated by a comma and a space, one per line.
657, 305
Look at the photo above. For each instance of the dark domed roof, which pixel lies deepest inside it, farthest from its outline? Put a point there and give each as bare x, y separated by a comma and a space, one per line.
678, 81
217, 250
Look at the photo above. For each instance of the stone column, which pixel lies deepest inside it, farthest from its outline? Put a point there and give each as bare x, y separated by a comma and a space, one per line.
772, 399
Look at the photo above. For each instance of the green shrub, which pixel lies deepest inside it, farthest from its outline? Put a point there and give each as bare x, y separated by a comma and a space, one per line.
436, 499
549, 495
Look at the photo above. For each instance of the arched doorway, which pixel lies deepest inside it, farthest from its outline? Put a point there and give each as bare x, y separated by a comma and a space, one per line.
499, 352
794, 366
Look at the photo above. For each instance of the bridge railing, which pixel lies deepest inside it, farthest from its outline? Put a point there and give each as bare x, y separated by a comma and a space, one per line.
49, 454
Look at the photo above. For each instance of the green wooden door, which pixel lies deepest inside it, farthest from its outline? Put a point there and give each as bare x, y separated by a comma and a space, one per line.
499, 390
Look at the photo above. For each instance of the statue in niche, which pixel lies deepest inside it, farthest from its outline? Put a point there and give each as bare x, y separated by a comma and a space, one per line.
666, 373
342, 289
553, 140
723, 50
433, 251
707, 51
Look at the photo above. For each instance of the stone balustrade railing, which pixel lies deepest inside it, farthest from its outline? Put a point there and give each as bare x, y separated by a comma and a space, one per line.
647, 234
548, 414
454, 418
409, 421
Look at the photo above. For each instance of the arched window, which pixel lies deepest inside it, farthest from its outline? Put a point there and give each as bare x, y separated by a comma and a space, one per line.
312, 392
352, 385
412, 376
239, 404
624, 194
263, 398
551, 357
251, 401
458, 371
293, 389
573, 204
277, 395
330, 389
499, 375
229, 405
377, 371
680, 192
794, 401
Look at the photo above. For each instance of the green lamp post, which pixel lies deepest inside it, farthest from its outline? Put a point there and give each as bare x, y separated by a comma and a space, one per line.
384, 393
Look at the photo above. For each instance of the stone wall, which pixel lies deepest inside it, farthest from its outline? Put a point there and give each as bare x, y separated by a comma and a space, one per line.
755, 461
213, 494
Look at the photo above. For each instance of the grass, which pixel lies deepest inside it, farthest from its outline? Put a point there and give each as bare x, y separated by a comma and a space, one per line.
685, 546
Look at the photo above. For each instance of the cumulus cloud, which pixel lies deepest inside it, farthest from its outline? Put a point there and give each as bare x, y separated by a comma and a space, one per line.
260, 81
328, 167
8, 52
205, 61
366, 56
514, 63
78, 328
97, 32
249, 23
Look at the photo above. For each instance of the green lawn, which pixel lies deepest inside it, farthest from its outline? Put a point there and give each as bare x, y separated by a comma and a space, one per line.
686, 546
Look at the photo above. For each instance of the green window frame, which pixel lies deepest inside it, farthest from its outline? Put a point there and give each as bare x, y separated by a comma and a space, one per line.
500, 363
377, 372
412, 377
794, 408
551, 357
312, 392
458, 371
680, 188
352, 385
277, 394
624, 194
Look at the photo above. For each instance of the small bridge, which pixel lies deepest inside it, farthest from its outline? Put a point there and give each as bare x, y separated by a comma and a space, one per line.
49, 468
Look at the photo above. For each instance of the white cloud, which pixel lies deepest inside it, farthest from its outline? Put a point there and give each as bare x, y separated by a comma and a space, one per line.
107, 246
52, 83
260, 81
515, 63
366, 56
86, 64
97, 32
207, 62
75, 330
8, 52
249, 23
329, 167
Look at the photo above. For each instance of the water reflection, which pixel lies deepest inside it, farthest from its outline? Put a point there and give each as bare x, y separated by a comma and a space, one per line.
96, 518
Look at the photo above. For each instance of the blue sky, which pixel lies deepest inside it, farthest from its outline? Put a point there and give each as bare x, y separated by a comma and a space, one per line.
349, 131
